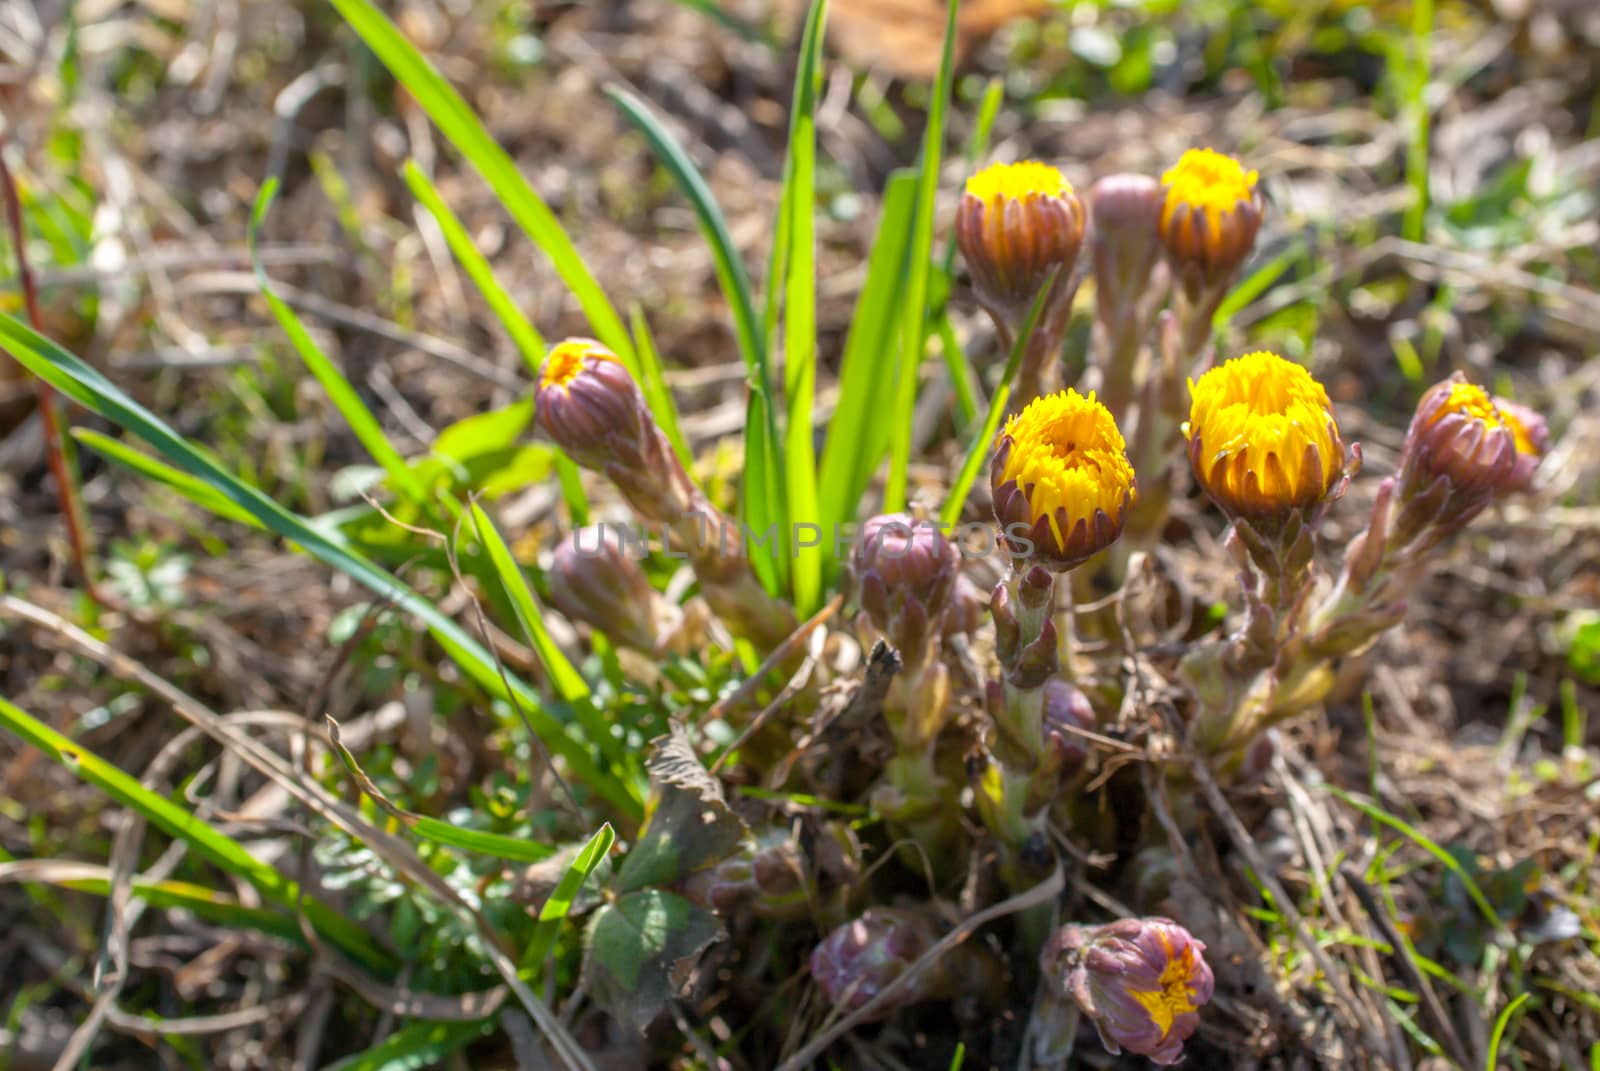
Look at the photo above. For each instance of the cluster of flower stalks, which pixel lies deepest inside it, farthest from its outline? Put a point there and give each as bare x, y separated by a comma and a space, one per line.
998, 719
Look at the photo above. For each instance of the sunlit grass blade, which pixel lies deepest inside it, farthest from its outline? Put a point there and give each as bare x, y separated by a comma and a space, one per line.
858, 434
495, 845
556, 909
415, 1046
205, 841
800, 313
529, 342
569, 683
456, 120
1254, 285
98, 394
653, 382
363, 424
978, 449
1501, 1023
195, 490
199, 901
914, 309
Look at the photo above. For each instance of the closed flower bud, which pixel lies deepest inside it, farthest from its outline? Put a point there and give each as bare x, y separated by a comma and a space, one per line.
1016, 225
1141, 982
904, 574
1124, 213
590, 406
1061, 480
594, 579
855, 962
1263, 441
1066, 709
1480, 446
1210, 213
767, 877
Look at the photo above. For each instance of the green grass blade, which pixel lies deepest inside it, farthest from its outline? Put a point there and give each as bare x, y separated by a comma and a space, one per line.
362, 422
201, 838
464, 130
653, 382
978, 449
762, 498
1254, 286
200, 901
1492, 1063
98, 394
913, 329
569, 683
415, 1047
196, 491
800, 313
858, 435
556, 909
994, 95
529, 342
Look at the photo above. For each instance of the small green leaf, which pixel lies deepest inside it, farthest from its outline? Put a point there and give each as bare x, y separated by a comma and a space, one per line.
559, 905
690, 826
639, 949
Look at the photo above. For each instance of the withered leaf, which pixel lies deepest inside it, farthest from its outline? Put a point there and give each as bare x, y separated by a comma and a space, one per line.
690, 825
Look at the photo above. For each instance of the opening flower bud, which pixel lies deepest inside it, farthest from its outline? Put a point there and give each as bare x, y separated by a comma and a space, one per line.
590, 406
1017, 224
1141, 982
904, 572
1061, 480
1210, 213
1263, 441
1124, 213
1483, 446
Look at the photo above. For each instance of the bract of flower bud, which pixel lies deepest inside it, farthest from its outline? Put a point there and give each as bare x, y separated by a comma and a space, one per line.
904, 572
590, 406
1210, 213
1061, 480
1482, 447
1016, 224
594, 579
1066, 709
968, 608
1263, 441
855, 962
1124, 214
1142, 981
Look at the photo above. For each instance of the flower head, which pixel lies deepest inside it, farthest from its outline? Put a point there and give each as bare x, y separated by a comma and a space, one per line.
1263, 441
1482, 446
1016, 224
1061, 480
904, 573
1141, 981
1210, 214
1124, 213
856, 961
767, 876
589, 404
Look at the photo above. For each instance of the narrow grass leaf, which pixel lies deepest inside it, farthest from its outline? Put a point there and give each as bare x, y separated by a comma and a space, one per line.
858, 434
456, 120
529, 342
800, 315
1492, 1063
363, 424
653, 382
95, 392
913, 329
199, 835
415, 1047
195, 490
556, 909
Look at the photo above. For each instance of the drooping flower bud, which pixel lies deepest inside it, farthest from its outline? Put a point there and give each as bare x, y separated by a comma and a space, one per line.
1061, 481
594, 579
1263, 441
1124, 214
767, 877
1141, 981
1016, 225
904, 573
589, 404
1210, 213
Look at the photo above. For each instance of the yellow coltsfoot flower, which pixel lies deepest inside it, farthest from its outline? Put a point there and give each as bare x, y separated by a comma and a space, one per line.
1061, 480
1018, 223
1263, 441
1210, 213
1481, 445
